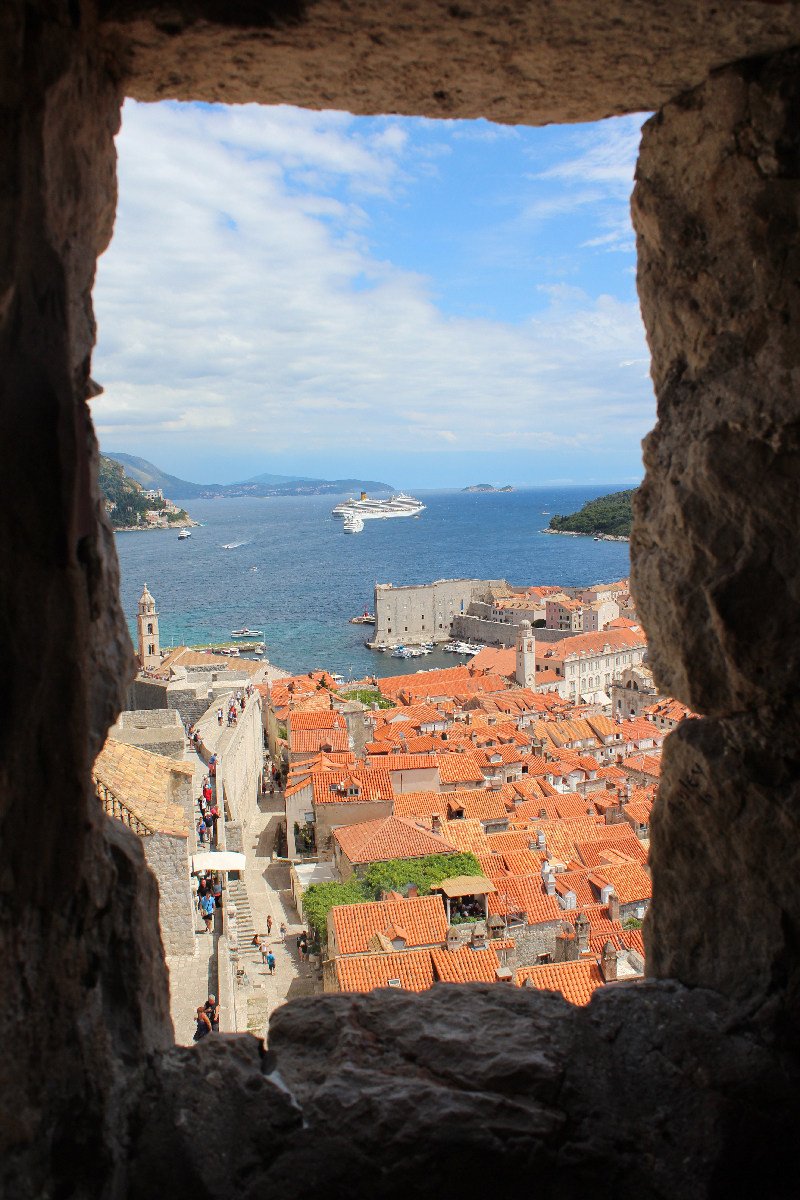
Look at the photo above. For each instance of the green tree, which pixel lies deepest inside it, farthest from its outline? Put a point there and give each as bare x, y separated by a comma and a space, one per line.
607, 514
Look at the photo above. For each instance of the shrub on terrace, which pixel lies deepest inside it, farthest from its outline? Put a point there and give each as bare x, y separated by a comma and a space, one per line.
424, 872
320, 898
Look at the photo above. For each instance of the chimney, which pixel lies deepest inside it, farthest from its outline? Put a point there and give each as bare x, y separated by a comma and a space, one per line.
613, 907
608, 963
504, 974
582, 932
550, 884
436, 823
412, 892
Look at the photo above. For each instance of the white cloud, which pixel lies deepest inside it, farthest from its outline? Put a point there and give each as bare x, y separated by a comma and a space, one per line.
241, 305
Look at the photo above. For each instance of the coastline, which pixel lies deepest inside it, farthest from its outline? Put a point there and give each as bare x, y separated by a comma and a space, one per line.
187, 524
600, 537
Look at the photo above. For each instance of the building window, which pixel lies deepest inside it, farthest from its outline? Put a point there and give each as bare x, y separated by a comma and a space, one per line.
151, 648
149, 628
406, 629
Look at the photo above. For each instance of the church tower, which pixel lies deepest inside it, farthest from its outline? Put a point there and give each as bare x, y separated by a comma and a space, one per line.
147, 630
526, 656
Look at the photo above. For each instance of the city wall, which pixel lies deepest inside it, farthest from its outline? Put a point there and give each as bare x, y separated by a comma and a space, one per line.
168, 858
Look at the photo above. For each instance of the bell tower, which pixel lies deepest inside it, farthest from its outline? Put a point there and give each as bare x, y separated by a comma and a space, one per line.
526, 656
147, 631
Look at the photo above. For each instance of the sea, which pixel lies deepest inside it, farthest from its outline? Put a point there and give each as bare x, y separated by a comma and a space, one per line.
292, 573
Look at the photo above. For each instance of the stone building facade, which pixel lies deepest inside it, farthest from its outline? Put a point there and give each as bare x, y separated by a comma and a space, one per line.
423, 612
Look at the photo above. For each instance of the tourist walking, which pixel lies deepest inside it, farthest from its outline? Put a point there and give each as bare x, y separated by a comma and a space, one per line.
263, 946
219, 716
271, 962
216, 890
211, 1009
207, 909
283, 931
201, 831
269, 926
303, 946
203, 1025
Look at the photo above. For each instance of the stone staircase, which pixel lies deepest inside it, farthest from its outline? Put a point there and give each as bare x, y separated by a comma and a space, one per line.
237, 894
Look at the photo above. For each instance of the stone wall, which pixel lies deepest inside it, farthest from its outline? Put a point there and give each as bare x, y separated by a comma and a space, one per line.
157, 718
531, 941
147, 694
479, 629
168, 859
699, 1071
240, 765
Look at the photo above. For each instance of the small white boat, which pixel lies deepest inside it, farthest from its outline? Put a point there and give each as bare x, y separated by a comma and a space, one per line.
353, 524
184, 534
247, 633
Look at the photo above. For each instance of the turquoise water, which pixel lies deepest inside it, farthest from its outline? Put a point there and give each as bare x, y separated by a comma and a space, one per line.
311, 577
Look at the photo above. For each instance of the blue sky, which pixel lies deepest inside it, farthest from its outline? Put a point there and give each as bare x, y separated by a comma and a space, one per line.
432, 303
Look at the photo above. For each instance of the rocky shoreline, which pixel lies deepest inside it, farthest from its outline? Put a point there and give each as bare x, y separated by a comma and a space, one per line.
187, 524
600, 537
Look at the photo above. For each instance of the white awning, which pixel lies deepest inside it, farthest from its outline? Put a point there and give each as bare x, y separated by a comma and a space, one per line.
595, 698
219, 860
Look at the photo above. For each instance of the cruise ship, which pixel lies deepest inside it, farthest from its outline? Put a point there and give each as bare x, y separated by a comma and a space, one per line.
368, 510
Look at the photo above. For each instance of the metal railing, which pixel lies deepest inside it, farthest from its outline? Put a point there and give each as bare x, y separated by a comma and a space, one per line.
116, 807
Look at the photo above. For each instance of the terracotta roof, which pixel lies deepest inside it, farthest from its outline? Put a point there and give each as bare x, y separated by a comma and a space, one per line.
630, 881
574, 980
649, 764
480, 803
405, 762
309, 741
428, 804
433, 683
374, 783
467, 835
593, 643
507, 841
500, 662
634, 940
467, 965
316, 720
459, 768
423, 917
387, 838
525, 894
611, 850
362, 973
144, 782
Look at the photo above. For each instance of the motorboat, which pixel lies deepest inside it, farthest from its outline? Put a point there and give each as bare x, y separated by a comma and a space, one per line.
184, 534
396, 506
247, 633
353, 523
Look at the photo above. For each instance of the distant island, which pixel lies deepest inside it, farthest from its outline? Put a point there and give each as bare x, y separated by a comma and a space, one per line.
130, 506
609, 517
488, 487
151, 477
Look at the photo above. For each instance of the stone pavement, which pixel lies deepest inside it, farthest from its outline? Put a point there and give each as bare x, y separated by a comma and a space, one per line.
269, 892
192, 979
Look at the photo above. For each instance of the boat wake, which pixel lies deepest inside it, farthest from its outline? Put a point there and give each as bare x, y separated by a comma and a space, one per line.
234, 545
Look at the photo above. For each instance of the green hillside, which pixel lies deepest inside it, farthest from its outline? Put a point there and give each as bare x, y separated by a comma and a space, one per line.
607, 514
125, 502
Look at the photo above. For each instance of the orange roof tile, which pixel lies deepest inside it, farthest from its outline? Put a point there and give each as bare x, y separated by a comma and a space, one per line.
524, 894
459, 768
467, 965
387, 838
423, 917
362, 973
574, 980
143, 782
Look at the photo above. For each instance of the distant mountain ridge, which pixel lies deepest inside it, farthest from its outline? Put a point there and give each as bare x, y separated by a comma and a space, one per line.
150, 476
